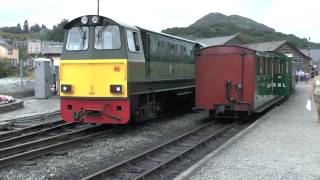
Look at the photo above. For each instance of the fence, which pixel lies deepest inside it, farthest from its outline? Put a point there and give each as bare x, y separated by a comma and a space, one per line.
17, 63
16, 76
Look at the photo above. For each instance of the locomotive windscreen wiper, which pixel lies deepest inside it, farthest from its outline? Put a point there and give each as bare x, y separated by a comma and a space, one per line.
83, 35
100, 31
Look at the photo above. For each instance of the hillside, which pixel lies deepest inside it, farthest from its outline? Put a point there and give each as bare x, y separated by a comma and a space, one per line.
24, 36
217, 24
34, 32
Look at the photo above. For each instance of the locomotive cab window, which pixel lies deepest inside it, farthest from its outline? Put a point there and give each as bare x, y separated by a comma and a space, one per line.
133, 41
107, 37
77, 39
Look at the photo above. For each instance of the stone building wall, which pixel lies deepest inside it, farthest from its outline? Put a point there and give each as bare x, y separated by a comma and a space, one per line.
301, 61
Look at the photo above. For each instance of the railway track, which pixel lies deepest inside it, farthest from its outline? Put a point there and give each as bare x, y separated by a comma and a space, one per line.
35, 117
30, 129
147, 163
39, 140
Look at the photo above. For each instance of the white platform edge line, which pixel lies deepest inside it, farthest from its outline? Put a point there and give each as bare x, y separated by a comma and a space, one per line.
190, 171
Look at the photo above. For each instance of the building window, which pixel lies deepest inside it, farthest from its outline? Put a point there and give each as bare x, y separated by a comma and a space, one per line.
9, 51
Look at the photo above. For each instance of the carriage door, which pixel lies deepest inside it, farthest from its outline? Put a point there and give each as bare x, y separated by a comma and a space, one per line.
281, 83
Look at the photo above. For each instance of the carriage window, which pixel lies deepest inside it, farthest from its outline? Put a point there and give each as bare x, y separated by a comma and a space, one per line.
162, 48
257, 66
261, 67
182, 50
133, 41
284, 68
107, 37
264, 66
153, 46
270, 67
267, 66
276, 67
189, 50
77, 39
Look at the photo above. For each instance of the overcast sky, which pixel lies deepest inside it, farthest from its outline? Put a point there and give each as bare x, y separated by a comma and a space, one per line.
288, 16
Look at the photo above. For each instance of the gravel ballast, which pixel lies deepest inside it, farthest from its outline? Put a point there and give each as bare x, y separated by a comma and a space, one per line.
98, 154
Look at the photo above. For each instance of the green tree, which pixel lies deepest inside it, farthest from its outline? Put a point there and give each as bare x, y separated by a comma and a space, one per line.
19, 29
62, 23
5, 69
35, 28
23, 54
57, 32
25, 27
44, 27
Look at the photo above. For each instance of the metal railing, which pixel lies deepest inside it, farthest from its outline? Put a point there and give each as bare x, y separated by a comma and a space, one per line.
16, 76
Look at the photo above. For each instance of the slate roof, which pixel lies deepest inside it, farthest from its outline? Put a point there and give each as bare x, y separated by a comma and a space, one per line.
272, 46
314, 53
265, 46
5, 45
216, 40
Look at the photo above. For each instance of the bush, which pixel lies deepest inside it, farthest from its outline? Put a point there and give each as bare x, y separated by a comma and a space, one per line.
5, 70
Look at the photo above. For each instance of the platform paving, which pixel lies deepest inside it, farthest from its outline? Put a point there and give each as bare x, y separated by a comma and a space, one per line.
33, 107
282, 144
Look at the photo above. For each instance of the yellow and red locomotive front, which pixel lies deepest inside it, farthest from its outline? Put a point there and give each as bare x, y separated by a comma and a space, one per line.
93, 72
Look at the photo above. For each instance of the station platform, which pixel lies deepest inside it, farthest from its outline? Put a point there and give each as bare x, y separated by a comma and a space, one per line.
33, 107
282, 144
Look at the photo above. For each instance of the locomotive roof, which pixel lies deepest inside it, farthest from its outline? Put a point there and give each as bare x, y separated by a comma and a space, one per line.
103, 21
168, 35
241, 47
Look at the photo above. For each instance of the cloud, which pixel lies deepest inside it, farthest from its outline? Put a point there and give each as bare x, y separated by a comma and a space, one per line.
288, 16
294, 17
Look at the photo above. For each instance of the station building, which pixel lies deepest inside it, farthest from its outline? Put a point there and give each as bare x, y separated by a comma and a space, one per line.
315, 56
284, 47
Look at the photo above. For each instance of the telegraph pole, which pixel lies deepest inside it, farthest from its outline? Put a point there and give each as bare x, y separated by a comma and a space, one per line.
309, 47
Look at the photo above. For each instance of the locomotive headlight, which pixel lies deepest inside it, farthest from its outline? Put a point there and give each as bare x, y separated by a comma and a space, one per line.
95, 19
84, 20
66, 88
116, 88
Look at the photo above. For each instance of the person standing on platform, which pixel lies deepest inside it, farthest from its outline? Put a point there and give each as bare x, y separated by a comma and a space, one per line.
316, 94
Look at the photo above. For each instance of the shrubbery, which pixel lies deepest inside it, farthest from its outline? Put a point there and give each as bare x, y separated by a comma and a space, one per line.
6, 99
5, 70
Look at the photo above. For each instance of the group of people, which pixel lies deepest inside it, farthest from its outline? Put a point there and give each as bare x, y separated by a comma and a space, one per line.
303, 76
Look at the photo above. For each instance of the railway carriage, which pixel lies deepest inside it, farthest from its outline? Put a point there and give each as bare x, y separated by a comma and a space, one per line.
234, 81
112, 73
